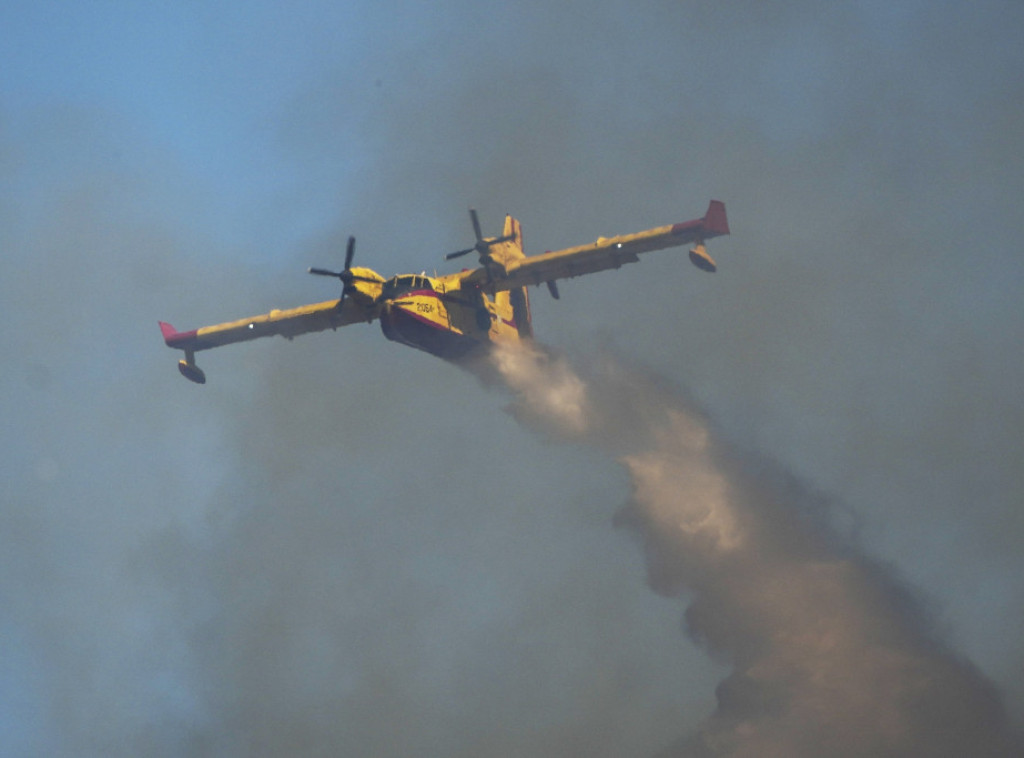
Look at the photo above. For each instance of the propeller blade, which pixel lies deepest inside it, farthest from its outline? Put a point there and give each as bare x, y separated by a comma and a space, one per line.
459, 253
482, 245
325, 272
345, 275
476, 225
553, 289
350, 252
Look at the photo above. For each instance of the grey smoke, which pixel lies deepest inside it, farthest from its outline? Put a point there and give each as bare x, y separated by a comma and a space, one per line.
342, 546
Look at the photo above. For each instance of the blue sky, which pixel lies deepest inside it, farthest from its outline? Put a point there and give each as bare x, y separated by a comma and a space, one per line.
341, 523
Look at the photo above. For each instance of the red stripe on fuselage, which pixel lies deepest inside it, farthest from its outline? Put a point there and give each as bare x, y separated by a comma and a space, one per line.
401, 325
437, 296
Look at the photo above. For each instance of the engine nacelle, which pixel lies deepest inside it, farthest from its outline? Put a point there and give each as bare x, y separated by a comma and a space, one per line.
365, 287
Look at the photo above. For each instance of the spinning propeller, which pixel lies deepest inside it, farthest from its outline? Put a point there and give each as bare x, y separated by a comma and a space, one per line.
346, 275
482, 245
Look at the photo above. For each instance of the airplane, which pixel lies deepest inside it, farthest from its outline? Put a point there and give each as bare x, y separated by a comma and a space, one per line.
453, 316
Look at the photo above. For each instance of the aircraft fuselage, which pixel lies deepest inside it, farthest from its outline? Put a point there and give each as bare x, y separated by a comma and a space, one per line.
437, 316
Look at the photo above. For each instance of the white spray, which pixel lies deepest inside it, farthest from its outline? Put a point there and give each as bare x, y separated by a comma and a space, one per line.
830, 655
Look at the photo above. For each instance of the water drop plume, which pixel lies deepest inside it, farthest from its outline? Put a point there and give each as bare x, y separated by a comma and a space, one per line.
829, 652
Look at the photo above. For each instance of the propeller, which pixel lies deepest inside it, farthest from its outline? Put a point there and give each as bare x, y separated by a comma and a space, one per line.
346, 276
482, 245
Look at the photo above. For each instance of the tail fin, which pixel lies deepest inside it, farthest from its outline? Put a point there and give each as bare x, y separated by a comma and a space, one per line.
514, 229
508, 250
505, 253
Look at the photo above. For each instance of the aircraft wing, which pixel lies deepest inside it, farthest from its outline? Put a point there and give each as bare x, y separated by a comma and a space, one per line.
613, 252
289, 323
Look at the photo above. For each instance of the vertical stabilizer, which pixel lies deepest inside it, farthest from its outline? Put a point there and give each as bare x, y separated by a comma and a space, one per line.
510, 246
505, 253
514, 230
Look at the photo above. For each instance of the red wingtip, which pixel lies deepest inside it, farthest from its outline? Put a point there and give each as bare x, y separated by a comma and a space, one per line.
715, 220
167, 330
174, 338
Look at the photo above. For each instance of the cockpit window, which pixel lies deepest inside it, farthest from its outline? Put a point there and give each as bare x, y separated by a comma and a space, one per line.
398, 285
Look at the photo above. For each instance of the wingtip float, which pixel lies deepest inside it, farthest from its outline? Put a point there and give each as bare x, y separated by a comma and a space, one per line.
453, 316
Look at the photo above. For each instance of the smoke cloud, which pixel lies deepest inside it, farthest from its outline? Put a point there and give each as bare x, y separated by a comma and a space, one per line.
830, 653
340, 546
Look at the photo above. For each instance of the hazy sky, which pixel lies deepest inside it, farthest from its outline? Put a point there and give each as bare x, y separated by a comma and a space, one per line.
340, 545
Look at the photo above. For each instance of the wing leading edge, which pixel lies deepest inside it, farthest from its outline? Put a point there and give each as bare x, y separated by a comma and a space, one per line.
330, 314
613, 252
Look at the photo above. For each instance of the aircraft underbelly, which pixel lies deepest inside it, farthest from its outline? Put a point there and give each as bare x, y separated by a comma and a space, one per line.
400, 324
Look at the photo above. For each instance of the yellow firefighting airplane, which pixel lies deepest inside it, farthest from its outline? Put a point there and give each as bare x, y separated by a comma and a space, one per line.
453, 316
